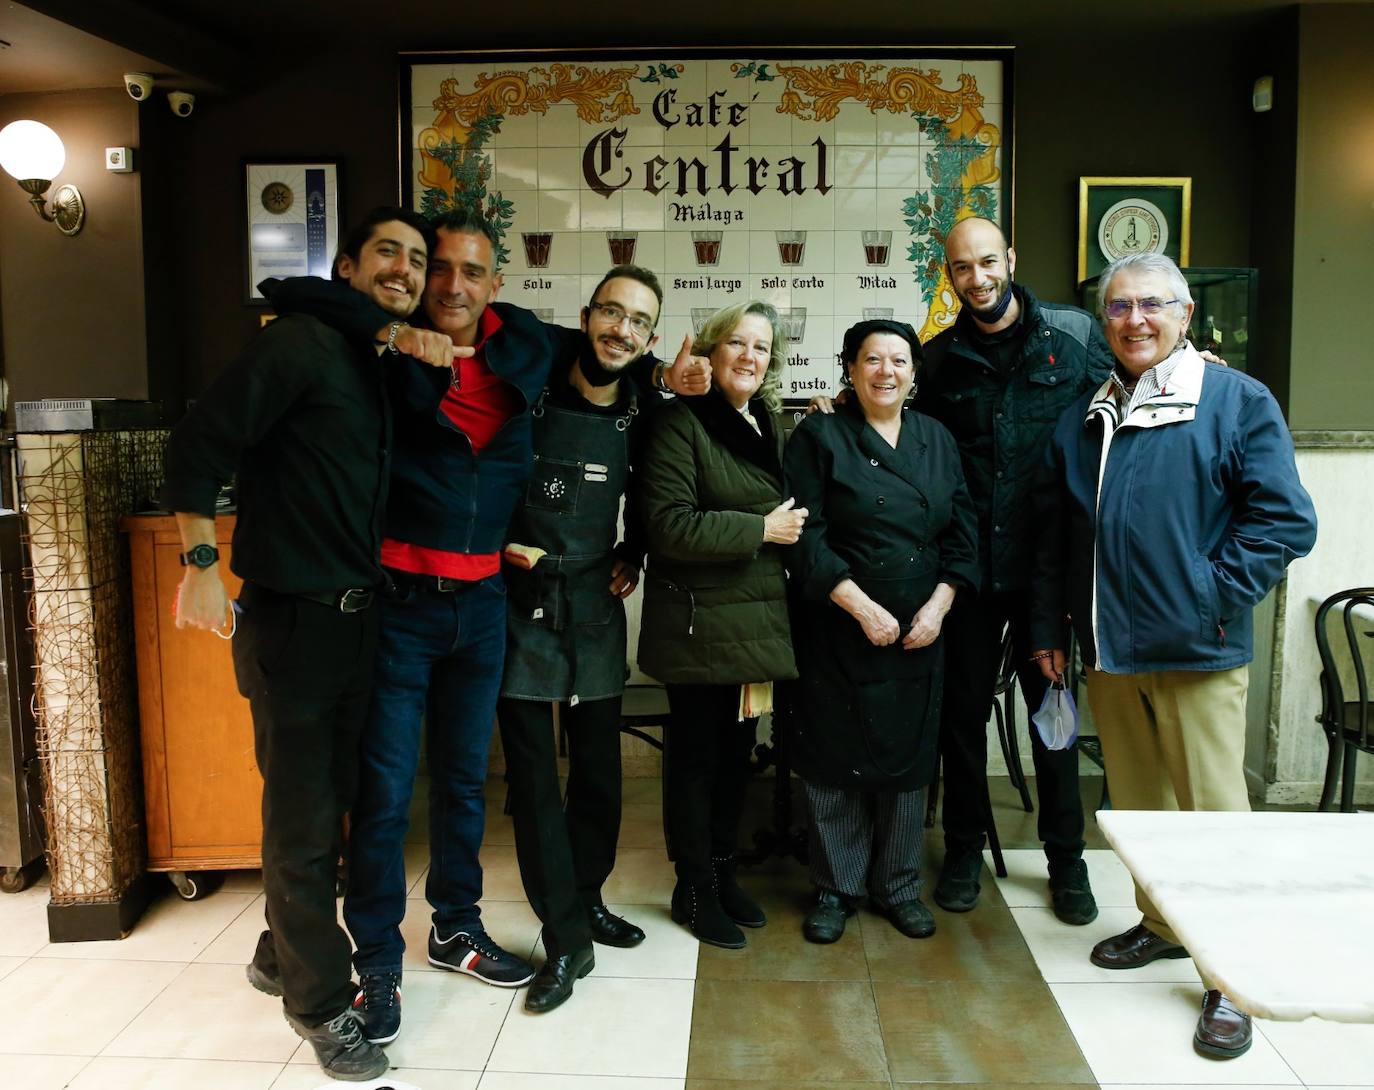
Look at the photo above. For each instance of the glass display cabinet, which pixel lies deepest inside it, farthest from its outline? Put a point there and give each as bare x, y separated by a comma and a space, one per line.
1224, 317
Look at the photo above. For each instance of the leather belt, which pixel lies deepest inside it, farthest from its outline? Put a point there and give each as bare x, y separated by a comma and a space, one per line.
435, 584
353, 600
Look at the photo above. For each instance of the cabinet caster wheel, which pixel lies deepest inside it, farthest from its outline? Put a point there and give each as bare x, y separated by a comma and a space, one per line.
15, 879
195, 885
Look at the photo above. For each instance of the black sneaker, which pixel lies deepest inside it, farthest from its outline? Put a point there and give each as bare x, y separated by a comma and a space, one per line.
957, 888
379, 1004
262, 980
1070, 893
474, 953
341, 1049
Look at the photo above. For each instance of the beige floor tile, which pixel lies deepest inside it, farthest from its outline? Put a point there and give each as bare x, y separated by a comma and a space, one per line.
1026, 884
8, 965
651, 1019
500, 829
1061, 952
29, 1072
242, 881
302, 1077
71, 1008
135, 1073
641, 825
417, 866
511, 1080
236, 943
668, 949
512, 924
501, 874
24, 922
984, 944
1144, 1033
1191, 1086
170, 930
209, 1013
642, 876
1324, 1053
449, 1021
642, 790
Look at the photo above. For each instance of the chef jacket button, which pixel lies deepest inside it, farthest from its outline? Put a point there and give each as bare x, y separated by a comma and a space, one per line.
1054, 379
924, 503
873, 461
881, 501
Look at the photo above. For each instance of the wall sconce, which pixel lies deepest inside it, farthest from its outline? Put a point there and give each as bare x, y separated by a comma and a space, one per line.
33, 154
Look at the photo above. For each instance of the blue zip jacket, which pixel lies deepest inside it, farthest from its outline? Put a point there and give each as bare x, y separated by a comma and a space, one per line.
1198, 512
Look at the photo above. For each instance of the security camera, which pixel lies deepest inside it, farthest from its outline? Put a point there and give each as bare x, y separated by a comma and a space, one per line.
138, 84
182, 102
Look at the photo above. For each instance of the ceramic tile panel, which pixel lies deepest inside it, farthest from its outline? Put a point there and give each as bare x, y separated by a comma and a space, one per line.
714, 155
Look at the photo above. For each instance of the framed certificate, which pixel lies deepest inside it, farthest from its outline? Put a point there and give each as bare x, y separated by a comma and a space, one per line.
292, 221
1120, 216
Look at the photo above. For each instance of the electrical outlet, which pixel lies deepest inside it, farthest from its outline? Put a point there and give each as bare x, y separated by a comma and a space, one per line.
119, 160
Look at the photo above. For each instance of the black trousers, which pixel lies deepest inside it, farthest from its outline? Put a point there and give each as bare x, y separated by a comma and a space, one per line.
705, 776
566, 850
306, 670
973, 639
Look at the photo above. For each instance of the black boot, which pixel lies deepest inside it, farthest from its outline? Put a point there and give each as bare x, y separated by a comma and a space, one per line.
738, 905
698, 907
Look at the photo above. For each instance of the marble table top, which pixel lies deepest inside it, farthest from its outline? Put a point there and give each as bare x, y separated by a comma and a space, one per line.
1277, 909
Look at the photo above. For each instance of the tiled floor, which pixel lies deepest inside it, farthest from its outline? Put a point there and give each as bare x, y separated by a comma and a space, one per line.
1000, 997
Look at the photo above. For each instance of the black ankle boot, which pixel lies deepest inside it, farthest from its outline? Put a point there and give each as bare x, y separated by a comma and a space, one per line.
698, 907
738, 905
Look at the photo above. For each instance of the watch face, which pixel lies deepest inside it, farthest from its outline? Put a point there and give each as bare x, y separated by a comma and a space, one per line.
202, 556
1132, 226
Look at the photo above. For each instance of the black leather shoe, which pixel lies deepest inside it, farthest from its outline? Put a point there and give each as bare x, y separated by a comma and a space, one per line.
957, 889
1134, 948
611, 930
825, 922
1222, 1031
552, 986
1070, 893
698, 907
911, 918
738, 905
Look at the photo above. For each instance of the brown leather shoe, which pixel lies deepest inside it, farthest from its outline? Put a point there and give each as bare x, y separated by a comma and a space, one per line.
1134, 948
1222, 1031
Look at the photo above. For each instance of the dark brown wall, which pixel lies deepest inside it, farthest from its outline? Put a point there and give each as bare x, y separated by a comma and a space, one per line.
1081, 108
74, 307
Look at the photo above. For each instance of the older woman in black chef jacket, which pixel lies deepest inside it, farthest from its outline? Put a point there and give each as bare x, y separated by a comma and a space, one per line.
889, 542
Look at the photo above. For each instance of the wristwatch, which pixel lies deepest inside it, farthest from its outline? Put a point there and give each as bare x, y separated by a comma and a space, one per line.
201, 556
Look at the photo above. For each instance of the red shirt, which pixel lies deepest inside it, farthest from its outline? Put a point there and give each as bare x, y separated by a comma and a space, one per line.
478, 403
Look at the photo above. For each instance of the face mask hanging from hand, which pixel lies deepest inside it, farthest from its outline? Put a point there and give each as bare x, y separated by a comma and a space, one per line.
1057, 719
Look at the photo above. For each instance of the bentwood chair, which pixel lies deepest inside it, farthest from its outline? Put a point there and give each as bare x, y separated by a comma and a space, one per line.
1348, 724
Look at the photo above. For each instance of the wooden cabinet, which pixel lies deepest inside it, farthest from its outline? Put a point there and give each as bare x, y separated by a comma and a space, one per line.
202, 789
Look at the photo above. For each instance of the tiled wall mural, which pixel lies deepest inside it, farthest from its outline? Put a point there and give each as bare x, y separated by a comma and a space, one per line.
824, 186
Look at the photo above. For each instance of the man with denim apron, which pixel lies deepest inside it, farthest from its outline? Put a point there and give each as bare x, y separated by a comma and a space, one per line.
566, 579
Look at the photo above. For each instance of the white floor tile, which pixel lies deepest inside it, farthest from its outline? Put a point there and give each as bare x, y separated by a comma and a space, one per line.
72, 1008
8, 965
242, 881
30, 1072
1324, 1053
209, 1013
668, 950
500, 874
1027, 882
512, 1080
1061, 952
642, 876
1135, 1033
448, 1021
24, 921
300, 1077
170, 930
236, 943
136, 1073
651, 1021
512, 924
1191, 1086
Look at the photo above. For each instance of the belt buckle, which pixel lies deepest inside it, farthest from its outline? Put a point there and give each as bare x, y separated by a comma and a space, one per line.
446, 585
355, 600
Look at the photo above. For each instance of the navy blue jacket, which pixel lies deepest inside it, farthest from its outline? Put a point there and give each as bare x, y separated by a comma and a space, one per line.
1200, 512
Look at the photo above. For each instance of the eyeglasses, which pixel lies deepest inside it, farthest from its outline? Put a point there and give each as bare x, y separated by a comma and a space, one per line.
1149, 308
614, 315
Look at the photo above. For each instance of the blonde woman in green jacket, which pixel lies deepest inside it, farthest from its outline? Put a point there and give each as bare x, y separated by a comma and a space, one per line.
714, 627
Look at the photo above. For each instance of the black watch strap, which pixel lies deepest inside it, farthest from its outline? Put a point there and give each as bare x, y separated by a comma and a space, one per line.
201, 556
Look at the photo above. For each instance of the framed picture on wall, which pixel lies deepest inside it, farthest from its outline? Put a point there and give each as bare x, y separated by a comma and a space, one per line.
820, 180
291, 225
1120, 216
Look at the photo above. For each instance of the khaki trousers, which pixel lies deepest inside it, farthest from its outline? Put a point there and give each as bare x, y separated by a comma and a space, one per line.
1172, 740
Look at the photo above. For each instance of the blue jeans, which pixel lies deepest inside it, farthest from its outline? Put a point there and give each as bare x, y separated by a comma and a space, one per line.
439, 658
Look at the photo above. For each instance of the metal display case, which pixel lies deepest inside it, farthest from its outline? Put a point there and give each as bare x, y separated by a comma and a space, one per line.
1224, 317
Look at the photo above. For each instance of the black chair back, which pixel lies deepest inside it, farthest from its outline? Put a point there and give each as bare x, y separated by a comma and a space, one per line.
1347, 719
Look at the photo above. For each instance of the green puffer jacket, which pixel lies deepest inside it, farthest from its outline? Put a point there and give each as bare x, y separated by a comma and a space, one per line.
715, 596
